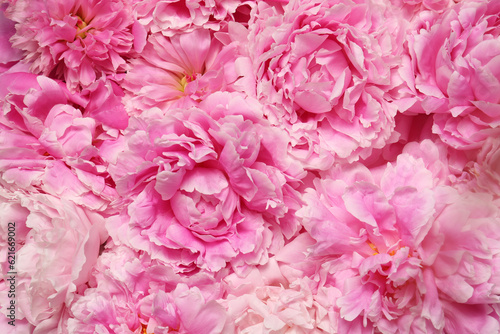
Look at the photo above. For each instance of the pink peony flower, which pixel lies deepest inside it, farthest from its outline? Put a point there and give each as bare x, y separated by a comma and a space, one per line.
204, 191
77, 41
455, 71
47, 143
265, 302
57, 245
323, 68
408, 255
184, 310
109, 305
177, 71
174, 17
101, 101
132, 294
411, 8
237, 166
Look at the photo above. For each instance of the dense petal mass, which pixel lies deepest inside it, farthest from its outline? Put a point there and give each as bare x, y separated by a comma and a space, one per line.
323, 70
243, 166
174, 17
456, 67
401, 252
130, 293
483, 173
267, 302
77, 41
177, 71
49, 142
205, 189
57, 245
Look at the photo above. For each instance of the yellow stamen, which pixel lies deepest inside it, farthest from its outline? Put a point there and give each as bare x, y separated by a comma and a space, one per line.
374, 248
143, 331
183, 83
81, 25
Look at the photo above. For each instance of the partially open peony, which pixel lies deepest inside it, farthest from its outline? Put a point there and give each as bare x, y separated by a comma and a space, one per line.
323, 69
265, 302
455, 60
204, 192
407, 254
58, 243
176, 71
177, 17
77, 41
130, 293
49, 145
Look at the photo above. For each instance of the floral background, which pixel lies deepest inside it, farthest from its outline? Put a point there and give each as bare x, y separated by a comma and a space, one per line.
269, 166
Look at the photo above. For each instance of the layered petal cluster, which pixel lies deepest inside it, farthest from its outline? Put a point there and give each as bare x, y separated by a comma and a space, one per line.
265, 302
184, 310
205, 191
324, 68
174, 17
48, 144
455, 71
76, 40
57, 244
177, 71
118, 282
241, 166
132, 294
483, 173
406, 254
410, 9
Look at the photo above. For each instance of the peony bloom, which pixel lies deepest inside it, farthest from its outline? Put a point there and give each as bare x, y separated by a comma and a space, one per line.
132, 294
119, 280
323, 69
58, 243
265, 302
49, 145
77, 40
407, 254
455, 71
176, 17
411, 8
184, 310
204, 191
177, 71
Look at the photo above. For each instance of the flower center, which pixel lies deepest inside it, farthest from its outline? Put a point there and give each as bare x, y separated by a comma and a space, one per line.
183, 82
143, 331
187, 78
81, 27
375, 249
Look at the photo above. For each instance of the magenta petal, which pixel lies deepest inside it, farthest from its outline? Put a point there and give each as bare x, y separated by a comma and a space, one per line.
140, 35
